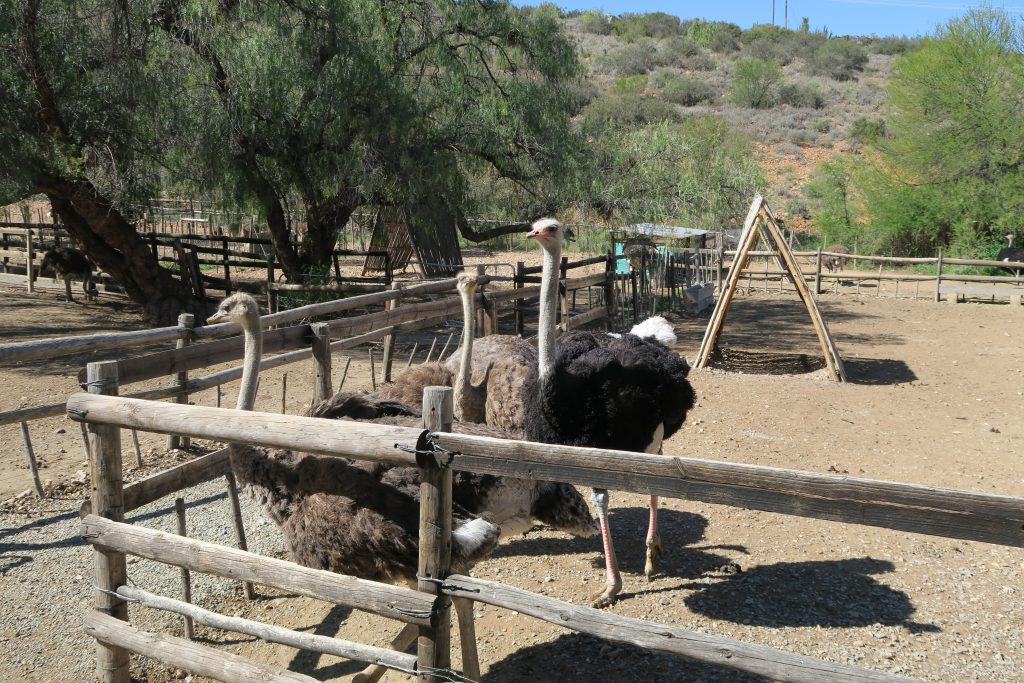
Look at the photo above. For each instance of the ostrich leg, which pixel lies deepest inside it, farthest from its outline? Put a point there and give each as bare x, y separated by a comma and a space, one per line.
67, 288
655, 550
611, 565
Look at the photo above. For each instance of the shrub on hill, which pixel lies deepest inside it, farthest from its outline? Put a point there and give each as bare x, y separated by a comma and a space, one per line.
839, 58
657, 25
634, 58
624, 110
865, 130
597, 23
675, 50
755, 83
682, 90
802, 95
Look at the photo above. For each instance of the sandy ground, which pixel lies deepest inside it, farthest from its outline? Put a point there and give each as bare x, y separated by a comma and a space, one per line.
935, 398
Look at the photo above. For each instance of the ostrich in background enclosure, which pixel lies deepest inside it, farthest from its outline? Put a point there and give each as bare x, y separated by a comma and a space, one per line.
628, 393
65, 263
836, 263
1011, 253
332, 514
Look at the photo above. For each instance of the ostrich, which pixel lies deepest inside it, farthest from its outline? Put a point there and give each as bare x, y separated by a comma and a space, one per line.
511, 503
407, 389
332, 514
65, 262
836, 263
1011, 253
629, 393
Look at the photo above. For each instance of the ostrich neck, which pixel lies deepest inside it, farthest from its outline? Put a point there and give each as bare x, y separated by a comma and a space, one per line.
466, 357
253, 335
548, 310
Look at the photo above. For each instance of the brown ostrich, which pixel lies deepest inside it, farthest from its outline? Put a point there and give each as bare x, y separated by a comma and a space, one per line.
65, 263
333, 514
836, 263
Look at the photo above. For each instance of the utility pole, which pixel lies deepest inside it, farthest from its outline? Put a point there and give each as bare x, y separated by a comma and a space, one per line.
773, 12
786, 14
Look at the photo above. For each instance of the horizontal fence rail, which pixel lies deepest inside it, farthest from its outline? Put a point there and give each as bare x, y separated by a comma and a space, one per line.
905, 507
394, 602
701, 647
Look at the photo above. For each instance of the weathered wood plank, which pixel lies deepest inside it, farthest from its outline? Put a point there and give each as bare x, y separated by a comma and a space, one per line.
199, 659
49, 348
394, 602
175, 479
308, 434
271, 633
702, 647
906, 507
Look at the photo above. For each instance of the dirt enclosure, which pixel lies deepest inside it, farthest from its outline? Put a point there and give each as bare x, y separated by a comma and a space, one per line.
936, 397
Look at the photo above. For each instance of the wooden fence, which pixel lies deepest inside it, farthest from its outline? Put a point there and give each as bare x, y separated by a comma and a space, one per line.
918, 509
295, 342
941, 283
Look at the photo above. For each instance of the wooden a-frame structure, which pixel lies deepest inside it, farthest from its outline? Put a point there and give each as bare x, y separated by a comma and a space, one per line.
762, 222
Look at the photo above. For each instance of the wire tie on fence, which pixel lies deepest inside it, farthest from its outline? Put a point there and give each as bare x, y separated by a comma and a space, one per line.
78, 412
115, 594
444, 585
446, 674
438, 449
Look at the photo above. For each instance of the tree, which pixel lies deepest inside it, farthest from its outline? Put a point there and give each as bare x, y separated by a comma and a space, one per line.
698, 172
954, 149
330, 106
75, 102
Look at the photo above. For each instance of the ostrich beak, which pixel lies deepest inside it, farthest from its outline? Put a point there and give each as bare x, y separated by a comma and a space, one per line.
217, 317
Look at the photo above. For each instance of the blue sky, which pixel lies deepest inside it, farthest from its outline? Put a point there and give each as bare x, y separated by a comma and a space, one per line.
841, 17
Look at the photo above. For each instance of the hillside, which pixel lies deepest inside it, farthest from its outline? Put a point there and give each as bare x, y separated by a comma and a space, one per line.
828, 90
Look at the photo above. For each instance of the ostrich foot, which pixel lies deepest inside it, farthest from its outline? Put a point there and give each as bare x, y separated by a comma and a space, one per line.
608, 595
655, 552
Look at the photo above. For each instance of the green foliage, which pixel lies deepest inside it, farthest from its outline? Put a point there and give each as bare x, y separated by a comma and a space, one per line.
866, 129
767, 32
698, 172
724, 43
701, 32
830, 203
676, 49
597, 23
892, 45
765, 49
952, 155
616, 110
681, 90
631, 27
755, 83
634, 58
823, 125
839, 58
633, 85
801, 95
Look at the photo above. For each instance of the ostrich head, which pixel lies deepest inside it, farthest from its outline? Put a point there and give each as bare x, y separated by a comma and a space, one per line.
1009, 240
548, 233
466, 283
237, 308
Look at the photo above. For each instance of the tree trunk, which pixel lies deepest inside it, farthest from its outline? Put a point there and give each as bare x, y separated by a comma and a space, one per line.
115, 246
323, 220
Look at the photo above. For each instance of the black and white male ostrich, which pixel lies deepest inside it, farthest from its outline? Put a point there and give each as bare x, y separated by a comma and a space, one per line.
513, 504
627, 393
333, 514
1011, 253
65, 263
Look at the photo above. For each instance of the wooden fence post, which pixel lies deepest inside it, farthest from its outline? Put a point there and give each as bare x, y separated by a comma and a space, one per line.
434, 644
32, 466
109, 568
197, 274
29, 259
518, 283
322, 359
938, 277
184, 265
563, 293
227, 268
817, 273
608, 290
271, 294
389, 341
186, 321
236, 518
186, 575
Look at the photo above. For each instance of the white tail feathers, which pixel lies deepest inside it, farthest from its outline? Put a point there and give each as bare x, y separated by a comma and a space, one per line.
474, 538
656, 327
